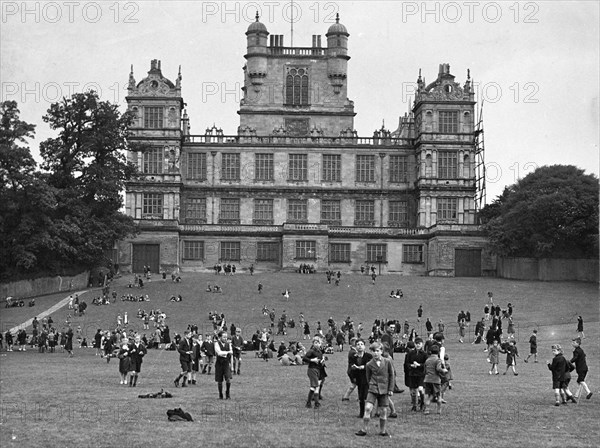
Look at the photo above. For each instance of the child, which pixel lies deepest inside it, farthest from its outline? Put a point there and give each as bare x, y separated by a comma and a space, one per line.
580, 327
493, 354
415, 374
380, 376
314, 358
433, 381
124, 361
511, 356
558, 367
446, 384
208, 348
581, 369
532, 346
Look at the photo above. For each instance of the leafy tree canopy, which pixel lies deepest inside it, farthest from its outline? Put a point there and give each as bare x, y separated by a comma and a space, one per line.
68, 214
552, 212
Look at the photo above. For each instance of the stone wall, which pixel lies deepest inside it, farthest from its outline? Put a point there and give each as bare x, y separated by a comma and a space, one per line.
45, 285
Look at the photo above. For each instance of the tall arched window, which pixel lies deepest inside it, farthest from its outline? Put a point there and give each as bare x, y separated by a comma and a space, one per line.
296, 87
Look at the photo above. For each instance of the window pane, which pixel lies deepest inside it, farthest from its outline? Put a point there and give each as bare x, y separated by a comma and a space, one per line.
153, 117
267, 251
153, 161
230, 211
263, 211
298, 167
412, 253
365, 168
196, 166
230, 169
339, 252
376, 253
296, 87
196, 210
230, 251
332, 168
447, 208
193, 250
306, 250
297, 210
398, 214
331, 212
398, 169
447, 165
263, 169
152, 206
448, 121
364, 213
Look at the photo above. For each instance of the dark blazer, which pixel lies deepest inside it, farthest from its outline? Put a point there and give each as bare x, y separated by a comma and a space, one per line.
579, 360
380, 378
359, 374
137, 355
185, 346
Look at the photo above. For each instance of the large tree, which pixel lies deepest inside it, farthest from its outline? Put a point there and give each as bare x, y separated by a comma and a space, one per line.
86, 165
552, 212
25, 200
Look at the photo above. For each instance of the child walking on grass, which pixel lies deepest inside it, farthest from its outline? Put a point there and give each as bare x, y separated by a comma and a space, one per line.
511, 357
380, 376
558, 366
433, 381
493, 357
532, 346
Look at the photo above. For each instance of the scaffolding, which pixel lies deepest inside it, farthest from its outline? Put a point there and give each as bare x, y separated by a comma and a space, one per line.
479, 146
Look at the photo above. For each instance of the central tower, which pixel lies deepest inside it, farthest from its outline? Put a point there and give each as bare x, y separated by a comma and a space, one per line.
296, 91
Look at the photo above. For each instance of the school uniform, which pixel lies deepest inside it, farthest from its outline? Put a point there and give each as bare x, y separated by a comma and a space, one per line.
360, 377
432, 380
223, 362
314, 368
558, 367
185, 359
581, 366
416, 375
137, 353
381, 381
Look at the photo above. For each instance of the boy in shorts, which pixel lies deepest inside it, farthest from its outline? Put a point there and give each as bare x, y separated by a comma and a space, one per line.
380, 376
433, 381
314, 358
532, 346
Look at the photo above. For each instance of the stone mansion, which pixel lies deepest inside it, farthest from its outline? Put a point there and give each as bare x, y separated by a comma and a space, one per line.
296, 184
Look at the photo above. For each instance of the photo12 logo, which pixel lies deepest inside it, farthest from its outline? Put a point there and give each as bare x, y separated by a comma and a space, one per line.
471, 12
70, 12
269, 12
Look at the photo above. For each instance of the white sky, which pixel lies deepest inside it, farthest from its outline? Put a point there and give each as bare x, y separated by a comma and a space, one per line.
536, 64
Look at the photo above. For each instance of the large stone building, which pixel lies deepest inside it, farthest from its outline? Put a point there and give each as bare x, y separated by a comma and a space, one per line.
296, 184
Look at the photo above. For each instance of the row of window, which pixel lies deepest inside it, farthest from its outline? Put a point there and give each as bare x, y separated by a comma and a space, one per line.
305, 250
297, 210
297, 168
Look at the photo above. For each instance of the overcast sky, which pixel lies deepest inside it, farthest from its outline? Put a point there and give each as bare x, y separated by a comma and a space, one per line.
536, 64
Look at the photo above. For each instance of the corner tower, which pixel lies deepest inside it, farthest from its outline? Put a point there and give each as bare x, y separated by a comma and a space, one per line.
445, 151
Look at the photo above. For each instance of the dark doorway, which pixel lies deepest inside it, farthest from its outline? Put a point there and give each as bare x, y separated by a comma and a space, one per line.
146, 255
467, 262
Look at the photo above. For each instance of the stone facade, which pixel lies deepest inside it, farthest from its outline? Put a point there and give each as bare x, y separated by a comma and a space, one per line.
296, 184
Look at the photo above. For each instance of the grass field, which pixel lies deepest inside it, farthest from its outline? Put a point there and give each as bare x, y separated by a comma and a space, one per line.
52, 400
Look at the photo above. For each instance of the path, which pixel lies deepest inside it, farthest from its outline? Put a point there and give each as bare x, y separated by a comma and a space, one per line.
49, 311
